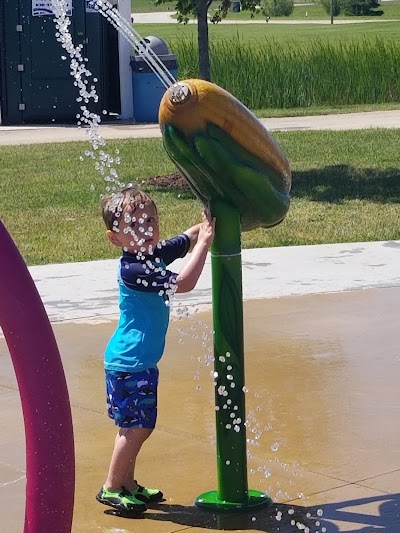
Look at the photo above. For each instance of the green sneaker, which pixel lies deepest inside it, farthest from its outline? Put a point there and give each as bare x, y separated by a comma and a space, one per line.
147, 495
122, 500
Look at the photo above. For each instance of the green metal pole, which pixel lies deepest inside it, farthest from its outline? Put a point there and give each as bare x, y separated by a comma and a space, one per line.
226, 264
226, 267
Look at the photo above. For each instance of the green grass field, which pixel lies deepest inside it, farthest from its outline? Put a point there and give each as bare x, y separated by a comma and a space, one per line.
316, 12
300, 34
148, 6
346, 188
324, 110
391, 10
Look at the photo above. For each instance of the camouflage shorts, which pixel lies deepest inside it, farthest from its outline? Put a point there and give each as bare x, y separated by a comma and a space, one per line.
132, 398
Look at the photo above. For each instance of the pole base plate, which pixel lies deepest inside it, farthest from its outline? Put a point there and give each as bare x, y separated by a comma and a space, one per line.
210, 501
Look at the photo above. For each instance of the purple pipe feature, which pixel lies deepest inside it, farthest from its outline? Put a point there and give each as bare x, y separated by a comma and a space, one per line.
50, 460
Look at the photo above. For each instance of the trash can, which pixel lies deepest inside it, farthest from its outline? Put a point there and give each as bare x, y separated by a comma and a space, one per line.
235, 7
147, 87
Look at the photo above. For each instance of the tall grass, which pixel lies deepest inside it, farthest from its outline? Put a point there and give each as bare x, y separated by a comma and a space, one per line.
268, 74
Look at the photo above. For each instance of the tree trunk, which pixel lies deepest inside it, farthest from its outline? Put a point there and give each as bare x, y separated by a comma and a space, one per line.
202, 39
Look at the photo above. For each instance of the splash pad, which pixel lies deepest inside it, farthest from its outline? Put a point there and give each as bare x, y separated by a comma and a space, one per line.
237, 170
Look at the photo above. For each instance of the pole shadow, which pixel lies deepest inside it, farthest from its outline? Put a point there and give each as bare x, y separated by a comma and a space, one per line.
289, 518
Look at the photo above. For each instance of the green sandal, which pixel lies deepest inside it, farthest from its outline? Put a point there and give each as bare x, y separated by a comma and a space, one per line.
147, 495
122, 500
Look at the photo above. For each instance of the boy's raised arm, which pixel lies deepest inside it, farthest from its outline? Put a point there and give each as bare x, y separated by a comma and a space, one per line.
190, 273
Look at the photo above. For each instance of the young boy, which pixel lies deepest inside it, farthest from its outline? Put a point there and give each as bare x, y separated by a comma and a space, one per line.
137, 345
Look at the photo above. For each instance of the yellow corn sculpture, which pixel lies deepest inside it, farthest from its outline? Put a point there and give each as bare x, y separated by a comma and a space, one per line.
225, 152
235, 167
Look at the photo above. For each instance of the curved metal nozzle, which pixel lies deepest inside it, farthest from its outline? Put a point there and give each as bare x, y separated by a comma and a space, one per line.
179, 93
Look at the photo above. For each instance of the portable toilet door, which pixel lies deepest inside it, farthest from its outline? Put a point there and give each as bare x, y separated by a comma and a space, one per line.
36, 81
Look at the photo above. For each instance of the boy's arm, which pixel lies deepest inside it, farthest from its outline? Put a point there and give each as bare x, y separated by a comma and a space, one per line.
193, 234
190, 273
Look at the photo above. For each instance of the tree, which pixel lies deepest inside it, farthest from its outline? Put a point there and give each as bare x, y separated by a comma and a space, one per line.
199, 9
352, 7
336, 5
266, 9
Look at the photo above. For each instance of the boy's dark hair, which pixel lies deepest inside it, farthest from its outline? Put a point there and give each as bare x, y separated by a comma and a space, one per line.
118, 200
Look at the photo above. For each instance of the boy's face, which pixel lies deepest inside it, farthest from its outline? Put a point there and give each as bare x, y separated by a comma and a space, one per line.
138, 229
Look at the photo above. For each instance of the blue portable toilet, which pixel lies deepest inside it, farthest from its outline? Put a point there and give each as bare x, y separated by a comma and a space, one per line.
148, 89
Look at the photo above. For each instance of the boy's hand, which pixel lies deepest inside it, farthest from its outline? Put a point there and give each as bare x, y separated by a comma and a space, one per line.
190, 273
207, 228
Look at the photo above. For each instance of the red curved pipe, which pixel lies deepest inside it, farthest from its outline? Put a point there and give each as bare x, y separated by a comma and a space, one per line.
50, 462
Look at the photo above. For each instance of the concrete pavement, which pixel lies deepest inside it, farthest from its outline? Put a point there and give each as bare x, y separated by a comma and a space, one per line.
71, 292
322, 380
322, 398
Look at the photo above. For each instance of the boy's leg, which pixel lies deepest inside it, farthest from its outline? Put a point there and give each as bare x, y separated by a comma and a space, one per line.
132, 403
127, 446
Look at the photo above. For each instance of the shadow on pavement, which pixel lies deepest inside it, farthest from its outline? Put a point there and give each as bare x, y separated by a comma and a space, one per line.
288, 518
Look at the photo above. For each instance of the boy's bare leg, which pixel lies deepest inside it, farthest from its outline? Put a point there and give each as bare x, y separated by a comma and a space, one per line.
126, 448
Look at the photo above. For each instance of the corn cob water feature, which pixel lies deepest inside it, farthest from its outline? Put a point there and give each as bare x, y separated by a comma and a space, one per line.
237, 170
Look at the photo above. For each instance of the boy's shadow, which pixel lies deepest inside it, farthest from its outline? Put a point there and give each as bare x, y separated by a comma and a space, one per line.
286, 517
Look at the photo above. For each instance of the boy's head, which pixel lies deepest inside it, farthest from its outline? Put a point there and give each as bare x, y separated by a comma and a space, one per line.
131, 218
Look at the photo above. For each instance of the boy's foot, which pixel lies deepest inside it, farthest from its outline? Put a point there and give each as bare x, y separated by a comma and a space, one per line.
122, 500
147, 495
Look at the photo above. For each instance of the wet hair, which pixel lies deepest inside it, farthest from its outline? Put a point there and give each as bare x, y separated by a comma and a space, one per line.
113, 204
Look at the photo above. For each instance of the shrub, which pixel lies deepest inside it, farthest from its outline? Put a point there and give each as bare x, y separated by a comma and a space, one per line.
277, 8
282, 8
360, 7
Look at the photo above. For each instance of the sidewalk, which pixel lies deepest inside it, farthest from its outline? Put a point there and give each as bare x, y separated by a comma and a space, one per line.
70, 292
12, 135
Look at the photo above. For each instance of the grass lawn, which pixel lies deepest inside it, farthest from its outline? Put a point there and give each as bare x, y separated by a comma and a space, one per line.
391, 10
316, 12
148, 6
324, 110
300, 34
346, 188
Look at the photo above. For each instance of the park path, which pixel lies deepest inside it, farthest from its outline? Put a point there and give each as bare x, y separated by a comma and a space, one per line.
35, 134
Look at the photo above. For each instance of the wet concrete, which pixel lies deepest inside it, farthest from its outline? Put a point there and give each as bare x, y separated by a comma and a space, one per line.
322, 373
